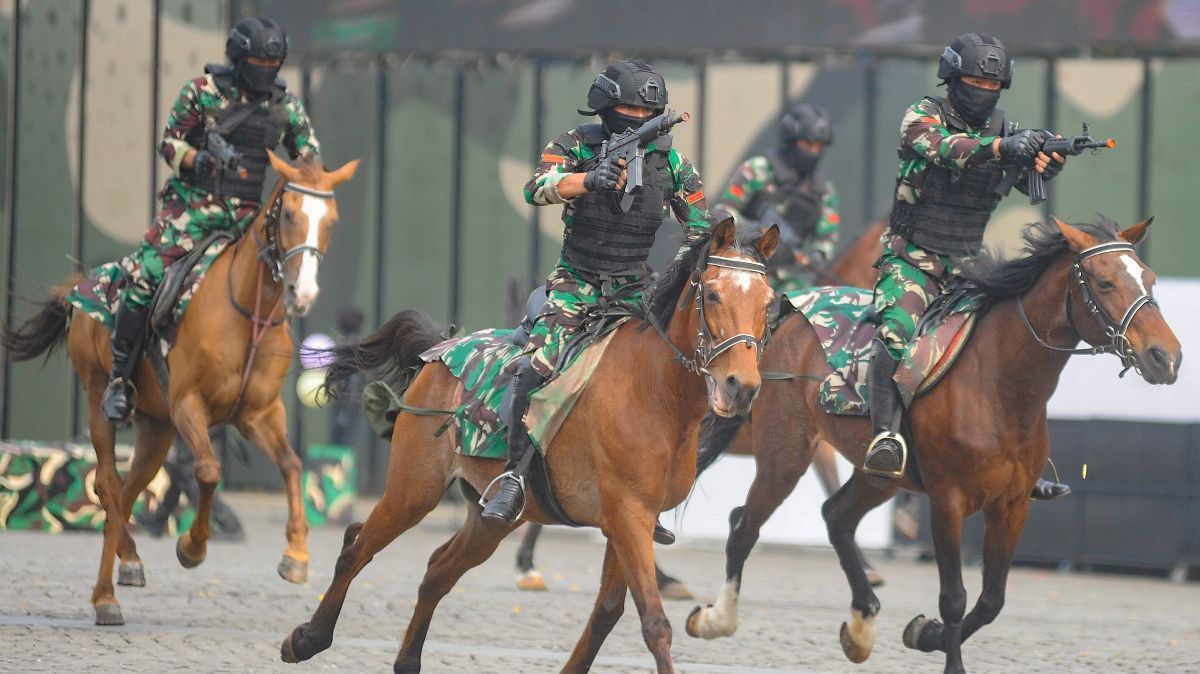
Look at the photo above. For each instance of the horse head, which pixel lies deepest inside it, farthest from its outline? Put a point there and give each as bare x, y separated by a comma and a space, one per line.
1112, 284
306, 213
731, 296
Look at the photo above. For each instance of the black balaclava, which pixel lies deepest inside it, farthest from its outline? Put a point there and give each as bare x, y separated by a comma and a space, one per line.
973, 104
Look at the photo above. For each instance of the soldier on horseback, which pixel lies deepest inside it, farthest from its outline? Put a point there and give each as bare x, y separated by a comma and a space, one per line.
604, 249
953, 153
246, 105
781, 187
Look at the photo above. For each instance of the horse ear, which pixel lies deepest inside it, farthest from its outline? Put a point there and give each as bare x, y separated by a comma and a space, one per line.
344, 173
723, 235
1077, 238
1136, 233
768, 242
284, 169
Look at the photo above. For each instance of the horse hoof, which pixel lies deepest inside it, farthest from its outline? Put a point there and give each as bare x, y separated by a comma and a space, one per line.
292, 570
184, 560
531, 581
874, 578
855, 651
923, 634
912, 632
691, 624
109, 614
676, 591
298, 647
132, 574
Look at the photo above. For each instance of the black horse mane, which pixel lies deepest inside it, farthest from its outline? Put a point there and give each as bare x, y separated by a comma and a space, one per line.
665, 290
999, 277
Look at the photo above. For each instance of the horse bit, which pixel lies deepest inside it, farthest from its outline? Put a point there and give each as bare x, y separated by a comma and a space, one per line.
1115, 330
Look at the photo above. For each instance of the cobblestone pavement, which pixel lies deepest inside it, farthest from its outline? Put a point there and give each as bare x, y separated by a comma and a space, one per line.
231, 613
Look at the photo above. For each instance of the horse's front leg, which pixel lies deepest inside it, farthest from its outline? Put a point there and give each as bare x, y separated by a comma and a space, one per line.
946, 518
268, 429
630, 531
191, 417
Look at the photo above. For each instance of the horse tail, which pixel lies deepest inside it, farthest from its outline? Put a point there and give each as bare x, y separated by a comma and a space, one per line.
388, 352
716, 435
46, 331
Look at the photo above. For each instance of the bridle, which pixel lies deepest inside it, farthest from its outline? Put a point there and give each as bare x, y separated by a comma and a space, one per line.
1115, 330
704, 354
270, 251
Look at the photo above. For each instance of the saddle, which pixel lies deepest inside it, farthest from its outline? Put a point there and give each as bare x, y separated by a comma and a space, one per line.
174, 283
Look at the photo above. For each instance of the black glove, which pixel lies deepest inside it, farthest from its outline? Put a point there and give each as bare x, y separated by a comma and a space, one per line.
1054, 167
1020, 148
203, 164
604, 176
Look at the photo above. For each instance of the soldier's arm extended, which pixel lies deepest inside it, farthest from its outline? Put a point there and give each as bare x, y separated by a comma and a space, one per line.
825, 237
922, 131
688, 202
747, 181
558, 161
299, 138
184, 118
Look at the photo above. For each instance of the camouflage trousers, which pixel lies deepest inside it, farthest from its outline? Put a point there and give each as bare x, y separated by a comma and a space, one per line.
184, 220
570, 296
910, 278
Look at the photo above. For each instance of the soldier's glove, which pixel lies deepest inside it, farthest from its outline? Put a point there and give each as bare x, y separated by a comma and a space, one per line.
1054, 167
204, 164
1020, 148
604, 176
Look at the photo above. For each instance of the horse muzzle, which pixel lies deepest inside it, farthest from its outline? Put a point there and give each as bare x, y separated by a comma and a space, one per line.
1160, 365
730, 396
299, 298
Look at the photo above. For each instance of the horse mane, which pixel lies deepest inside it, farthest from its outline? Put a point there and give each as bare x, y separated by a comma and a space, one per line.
999, 276
665, 290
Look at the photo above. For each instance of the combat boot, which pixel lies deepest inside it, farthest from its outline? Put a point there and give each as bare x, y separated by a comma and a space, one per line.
509, 500
129, 332
888, 453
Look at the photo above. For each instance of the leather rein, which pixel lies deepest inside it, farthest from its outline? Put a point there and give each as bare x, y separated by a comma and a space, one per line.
1115, 329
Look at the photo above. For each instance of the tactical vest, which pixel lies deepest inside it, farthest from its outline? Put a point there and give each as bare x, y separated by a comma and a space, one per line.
954, 207
250, 137
795, 199
603, 240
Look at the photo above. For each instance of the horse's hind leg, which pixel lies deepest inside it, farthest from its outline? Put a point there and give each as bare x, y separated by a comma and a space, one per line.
268, 430
108, 488
1004, 523
843, 511
775, 476
528, 577
154, 438
471, 546
610, 604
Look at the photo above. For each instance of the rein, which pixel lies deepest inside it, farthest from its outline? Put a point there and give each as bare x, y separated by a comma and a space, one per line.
1115, 330
704, 354
270, 256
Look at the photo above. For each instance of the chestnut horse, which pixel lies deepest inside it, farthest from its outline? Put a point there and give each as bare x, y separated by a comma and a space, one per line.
978, 440
625, 453
274, 264
855, 266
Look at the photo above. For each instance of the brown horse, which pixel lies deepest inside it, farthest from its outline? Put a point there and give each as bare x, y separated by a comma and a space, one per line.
626, 452
855, 266
978, 440
274, 264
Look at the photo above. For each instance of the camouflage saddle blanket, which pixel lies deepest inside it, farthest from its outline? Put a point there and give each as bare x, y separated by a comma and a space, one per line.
841, 317
99, 293
485, 361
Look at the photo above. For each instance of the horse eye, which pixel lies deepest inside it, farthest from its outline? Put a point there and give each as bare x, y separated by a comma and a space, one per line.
1106, 285
711, 297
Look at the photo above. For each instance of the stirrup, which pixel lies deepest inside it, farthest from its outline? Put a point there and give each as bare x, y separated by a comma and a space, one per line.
899, 472
483, 499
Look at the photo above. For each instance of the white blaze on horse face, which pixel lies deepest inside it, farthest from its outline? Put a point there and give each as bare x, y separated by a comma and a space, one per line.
743, 279
1135, 271
314, 209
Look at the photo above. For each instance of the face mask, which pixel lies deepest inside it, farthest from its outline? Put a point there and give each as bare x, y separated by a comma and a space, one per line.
256, 79
614, 122
973, 104
802, 161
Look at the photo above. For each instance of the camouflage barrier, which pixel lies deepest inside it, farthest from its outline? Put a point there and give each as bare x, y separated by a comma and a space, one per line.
327, 483
53, 488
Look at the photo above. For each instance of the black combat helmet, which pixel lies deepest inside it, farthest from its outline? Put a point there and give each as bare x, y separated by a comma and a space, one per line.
807, 122
258, 37
627, 82
976, 55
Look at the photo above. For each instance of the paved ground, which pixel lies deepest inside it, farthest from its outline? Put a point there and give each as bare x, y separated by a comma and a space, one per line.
231, 613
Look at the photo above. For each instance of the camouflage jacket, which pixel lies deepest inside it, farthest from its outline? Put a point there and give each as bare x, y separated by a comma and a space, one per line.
200, 102
923, 131
756, 177
564, 154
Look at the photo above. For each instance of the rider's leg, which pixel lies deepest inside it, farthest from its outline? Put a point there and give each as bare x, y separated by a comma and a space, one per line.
886, 455
129, 332
509, 500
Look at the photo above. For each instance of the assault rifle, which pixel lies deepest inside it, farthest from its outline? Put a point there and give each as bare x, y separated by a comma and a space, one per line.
1072, 145
631, 145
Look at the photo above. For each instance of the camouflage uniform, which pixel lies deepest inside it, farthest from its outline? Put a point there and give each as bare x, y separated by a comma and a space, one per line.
756, 178
910, 276
189, 213
571, 292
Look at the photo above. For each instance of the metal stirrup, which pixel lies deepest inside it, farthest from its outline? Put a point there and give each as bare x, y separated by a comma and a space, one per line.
520, 482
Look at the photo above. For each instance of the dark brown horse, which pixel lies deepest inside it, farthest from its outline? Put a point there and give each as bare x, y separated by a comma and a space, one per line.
626, 452
209, 383
979, 439
855, 266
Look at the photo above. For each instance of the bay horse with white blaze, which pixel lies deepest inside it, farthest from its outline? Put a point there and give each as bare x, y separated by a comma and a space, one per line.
626, 452
214, 375
979, 439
